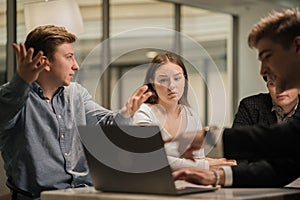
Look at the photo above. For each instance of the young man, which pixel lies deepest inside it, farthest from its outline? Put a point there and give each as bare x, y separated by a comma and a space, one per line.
40, 110
277, 39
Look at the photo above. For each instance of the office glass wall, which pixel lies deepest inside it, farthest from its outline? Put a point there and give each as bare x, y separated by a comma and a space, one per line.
133, 24
3, 69
106, 63
212, 31
87, 42
2, 41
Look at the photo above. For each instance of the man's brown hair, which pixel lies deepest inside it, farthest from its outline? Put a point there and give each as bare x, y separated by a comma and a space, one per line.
280, 27
46, 38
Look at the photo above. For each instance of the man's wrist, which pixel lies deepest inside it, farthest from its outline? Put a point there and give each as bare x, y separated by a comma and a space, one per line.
217, 175
222, 176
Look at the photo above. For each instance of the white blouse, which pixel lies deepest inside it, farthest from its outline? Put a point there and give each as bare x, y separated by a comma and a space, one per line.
146, 116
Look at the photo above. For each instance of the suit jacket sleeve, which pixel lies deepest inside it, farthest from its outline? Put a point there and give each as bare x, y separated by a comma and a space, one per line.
261, 141
243, 116
265, 172
255, 110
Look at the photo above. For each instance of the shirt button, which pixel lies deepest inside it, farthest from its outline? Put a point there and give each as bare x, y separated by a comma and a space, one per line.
66, 154
62, 136
59, 116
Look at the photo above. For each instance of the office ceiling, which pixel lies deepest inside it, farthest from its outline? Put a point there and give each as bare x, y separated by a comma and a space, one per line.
232, 6
287, 3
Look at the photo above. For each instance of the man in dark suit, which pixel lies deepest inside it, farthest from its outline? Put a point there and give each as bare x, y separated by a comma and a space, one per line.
277, 39
265, 109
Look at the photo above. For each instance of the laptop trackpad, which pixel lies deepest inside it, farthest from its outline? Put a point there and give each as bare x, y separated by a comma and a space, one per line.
184, 187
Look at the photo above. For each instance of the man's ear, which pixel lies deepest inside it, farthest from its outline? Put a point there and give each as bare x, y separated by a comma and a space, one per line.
43, 60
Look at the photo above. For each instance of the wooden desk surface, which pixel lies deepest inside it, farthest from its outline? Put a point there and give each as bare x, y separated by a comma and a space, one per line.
224, 193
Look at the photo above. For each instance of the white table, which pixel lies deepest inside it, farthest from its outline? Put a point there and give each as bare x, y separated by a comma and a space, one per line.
224, 193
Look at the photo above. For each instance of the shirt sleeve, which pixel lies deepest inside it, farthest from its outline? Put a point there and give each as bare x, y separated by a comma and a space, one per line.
261, 141
179, 163
13, 96
228, 176
95, 113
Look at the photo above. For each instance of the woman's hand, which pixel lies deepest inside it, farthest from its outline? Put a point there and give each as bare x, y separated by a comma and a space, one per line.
217, 162
189, 153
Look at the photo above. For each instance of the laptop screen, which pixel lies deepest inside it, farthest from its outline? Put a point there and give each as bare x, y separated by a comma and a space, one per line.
128, 159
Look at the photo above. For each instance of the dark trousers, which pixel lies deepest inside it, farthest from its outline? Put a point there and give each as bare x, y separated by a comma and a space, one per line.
18, 194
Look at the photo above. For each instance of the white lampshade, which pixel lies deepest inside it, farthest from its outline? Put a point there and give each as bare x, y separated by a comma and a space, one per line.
64, 13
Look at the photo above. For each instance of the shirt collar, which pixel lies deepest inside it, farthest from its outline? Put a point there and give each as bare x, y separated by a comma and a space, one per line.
281, 117
39, 90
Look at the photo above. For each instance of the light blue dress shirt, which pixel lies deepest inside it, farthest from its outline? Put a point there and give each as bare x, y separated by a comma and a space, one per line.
39, 141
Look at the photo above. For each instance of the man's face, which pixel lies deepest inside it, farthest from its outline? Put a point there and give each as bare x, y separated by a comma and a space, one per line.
64, 65
281, 66
286, 99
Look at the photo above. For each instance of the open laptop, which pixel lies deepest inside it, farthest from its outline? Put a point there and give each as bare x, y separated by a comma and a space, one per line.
130, 159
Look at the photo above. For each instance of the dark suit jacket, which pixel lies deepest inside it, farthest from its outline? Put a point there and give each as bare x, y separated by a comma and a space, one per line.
255, 110
260, 169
